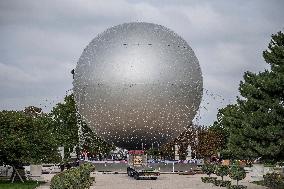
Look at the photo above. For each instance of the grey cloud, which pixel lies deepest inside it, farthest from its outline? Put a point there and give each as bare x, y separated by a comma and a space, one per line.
41, 42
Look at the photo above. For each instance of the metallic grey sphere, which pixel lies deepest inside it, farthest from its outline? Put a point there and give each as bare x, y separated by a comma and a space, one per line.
138, 84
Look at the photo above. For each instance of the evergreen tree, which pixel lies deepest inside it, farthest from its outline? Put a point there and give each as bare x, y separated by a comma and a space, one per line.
256, 123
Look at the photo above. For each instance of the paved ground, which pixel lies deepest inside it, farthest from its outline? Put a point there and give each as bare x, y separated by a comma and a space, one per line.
166, 181
47, 179
44, 186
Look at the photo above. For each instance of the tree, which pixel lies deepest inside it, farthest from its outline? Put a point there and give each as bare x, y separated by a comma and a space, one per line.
204, 141
227, 119
256, 123
167, 150
209, 142
43, 147
153, 152
33, 111
222, 170
237, 173
65, 125
186, 138
208, 168
26, 139
92, 143
14, 145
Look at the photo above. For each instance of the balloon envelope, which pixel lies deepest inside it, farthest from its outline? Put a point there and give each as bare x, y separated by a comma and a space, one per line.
138, 85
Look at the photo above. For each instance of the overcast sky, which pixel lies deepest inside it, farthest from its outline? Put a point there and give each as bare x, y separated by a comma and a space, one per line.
41, 41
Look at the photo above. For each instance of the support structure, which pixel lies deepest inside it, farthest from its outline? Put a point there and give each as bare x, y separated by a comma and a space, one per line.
16, 173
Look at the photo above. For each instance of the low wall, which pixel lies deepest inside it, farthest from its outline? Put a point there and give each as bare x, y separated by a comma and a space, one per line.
6, 171
170, 167
162, 167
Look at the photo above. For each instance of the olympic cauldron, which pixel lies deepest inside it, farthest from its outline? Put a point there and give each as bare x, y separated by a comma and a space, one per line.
138, 85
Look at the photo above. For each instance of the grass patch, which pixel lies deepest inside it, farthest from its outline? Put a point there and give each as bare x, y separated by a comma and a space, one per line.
19, 185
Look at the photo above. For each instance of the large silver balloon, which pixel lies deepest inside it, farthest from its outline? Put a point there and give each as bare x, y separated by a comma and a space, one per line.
138, 84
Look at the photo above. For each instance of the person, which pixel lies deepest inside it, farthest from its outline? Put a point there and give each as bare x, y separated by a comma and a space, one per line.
68, 166
77, 163
62, 167
214, 159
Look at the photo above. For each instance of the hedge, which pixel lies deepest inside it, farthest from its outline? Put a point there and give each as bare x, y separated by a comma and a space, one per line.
274, 180
73, 178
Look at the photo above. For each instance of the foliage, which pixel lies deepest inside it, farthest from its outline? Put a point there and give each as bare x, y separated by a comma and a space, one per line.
217, 182
222, 183
223, 133
154, 152
26, 139
237, 173
73, 178
31, 136
225, 183
281, 164
186, 138
167, 150
204, 141
67, 123
33, 111
255, 124
222, 170
208, 168
274, 180
44, 147
17, 185
208, 179
92, 143
65, 126
209, 142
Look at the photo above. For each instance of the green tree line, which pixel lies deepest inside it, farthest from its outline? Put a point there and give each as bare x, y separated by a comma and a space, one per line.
31, 136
